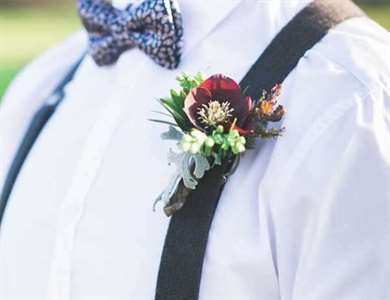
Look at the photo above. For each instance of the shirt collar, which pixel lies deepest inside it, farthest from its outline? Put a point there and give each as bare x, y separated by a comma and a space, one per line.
200, 17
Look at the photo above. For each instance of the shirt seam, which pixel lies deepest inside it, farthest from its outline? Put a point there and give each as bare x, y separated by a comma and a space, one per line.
375, 84
314, 134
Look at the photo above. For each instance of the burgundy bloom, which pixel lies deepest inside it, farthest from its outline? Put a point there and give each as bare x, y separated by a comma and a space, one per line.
218, 101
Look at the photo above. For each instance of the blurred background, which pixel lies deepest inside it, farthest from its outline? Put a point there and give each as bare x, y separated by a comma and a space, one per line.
27, 27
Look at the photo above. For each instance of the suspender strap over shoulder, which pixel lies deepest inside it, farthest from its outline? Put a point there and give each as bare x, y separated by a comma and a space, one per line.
304, 31
181, 264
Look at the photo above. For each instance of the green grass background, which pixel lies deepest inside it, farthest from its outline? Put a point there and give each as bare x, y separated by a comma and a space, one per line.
26, 32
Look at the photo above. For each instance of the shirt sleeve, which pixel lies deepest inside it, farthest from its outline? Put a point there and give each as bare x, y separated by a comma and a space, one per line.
331, 218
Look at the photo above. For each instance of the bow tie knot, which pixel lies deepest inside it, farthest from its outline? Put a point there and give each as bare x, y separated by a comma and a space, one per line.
155, 27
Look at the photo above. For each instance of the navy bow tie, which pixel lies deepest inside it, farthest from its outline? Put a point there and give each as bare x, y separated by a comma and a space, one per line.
154, 26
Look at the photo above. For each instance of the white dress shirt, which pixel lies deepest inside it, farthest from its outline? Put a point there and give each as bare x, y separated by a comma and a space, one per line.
306, 216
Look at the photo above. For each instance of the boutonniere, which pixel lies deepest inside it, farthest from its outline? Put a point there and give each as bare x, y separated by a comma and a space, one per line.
214, 123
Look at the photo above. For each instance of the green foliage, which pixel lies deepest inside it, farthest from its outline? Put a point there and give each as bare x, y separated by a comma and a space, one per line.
190, 168
217, 147
174, 104
196, 141
188, 82
172, 134
271, 133
227, 144
193, 168
175, 108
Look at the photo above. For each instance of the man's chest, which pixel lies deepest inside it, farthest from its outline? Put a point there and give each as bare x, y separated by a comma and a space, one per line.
101, 165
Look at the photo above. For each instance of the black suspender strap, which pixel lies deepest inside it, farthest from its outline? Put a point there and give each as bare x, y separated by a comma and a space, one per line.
37, 123
185, 244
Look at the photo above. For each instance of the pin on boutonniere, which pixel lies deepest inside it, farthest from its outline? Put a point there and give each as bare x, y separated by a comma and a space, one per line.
214, 123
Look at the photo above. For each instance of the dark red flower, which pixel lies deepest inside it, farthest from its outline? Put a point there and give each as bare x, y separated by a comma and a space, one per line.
218, 101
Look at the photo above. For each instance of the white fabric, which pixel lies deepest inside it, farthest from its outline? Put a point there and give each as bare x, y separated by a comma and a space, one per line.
304, 217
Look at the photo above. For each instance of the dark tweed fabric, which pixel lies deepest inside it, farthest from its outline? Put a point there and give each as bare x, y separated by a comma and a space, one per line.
180, 271
182, 258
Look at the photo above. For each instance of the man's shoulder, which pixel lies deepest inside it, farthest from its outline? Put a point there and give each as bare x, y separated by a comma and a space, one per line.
337, 102
361, 47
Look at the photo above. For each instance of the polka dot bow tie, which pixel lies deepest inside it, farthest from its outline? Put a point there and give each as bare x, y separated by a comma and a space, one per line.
154, 26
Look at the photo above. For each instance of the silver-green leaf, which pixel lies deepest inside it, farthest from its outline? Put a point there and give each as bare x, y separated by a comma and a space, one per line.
172, 134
